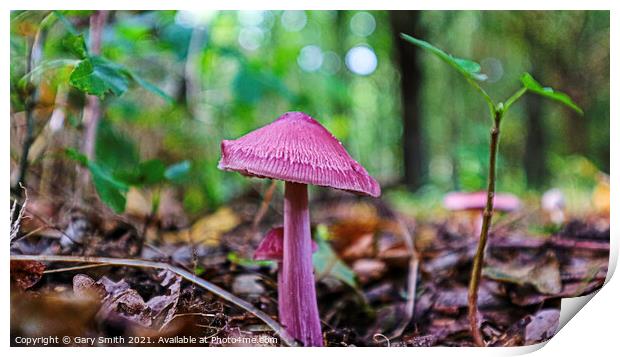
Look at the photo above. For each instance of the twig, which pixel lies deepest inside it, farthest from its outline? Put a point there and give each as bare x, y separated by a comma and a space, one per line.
264, 206
17, 215
275, 326
476, 271
185, 314
92, 111
81, 267
412, 278
29, 104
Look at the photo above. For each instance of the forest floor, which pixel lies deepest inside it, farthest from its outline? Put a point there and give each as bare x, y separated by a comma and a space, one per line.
366, 268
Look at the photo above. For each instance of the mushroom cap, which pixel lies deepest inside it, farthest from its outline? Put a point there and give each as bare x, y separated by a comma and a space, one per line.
297, 148
461, 201
272, 245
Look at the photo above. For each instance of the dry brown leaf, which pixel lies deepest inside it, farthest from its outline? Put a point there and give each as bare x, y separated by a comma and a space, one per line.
601, 196
26, 273
138, 204
359, 248
543, 326
369, 269
543, 274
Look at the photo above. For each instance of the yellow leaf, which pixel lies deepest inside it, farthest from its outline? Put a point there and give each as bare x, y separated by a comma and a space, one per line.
600, 197
138, 204
209, 229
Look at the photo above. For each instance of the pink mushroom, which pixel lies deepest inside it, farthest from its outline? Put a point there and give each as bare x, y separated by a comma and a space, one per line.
475, 202
297, 149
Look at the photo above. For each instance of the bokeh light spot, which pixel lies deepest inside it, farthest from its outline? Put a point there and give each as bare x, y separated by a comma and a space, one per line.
361, 60
310, 58
294, 21
363, 24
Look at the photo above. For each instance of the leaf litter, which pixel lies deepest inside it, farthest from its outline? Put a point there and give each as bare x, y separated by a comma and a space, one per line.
362, 275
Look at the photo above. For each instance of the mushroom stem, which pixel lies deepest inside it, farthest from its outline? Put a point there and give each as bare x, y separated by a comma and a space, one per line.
280, 289
299, 312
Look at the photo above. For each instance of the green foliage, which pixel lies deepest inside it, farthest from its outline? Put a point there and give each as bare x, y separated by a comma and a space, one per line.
471, 71
114, 149
111, 190
77, 45
97, 76
68, 25
533, 86
467, 68
112, 182
178, 173
215, 88
326, 262
248, 263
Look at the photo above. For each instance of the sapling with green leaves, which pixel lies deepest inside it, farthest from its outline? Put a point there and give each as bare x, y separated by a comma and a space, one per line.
470, 70
96, 77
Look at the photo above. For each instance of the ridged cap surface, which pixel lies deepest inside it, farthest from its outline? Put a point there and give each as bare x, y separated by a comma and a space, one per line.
297, 148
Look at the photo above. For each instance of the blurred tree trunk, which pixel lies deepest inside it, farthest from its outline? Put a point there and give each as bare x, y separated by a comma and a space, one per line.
535, 159
414, 155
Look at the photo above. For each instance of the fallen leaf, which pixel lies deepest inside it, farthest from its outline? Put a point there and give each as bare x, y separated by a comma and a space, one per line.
138, 204
543, 326
206, 230
543, 274
601, 196
166, 303
119, 300
247, 284
369, 269
85, 287
326, 262
26, 273
358, 248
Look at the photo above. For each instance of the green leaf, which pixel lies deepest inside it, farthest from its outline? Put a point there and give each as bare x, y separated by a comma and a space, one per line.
249, 263
178, 172
468, 68
72, 30
111, 191
146, 173
150, 87
114, 149
326, 262
77, 156
533, 86
98, 76
77, 45
152, 171
38, 72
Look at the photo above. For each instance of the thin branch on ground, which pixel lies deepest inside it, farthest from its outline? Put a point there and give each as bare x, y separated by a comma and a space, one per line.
81, 267
275, 326
17, 215
412, 278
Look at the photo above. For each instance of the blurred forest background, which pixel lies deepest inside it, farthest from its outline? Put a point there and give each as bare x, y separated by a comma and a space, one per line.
173, 84
116, 124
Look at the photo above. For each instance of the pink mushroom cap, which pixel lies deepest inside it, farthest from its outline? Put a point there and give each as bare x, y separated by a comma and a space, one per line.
297, 148
461, 201
272, 245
